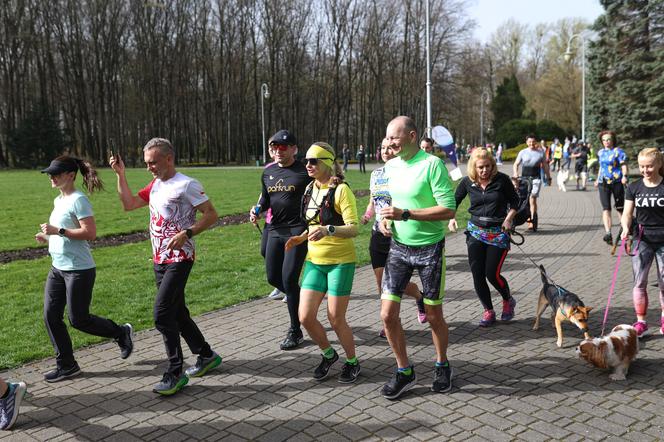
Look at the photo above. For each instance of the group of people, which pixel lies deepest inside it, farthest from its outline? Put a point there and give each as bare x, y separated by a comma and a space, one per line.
313, 218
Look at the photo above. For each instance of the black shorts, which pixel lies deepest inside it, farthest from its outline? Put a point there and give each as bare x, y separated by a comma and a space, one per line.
379, 247
617, 190
580, 168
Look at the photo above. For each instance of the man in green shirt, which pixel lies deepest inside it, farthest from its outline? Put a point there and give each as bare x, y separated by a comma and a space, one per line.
422, 197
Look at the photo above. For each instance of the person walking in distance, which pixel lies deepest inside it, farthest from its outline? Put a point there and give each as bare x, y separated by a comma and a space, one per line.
379, 244
531, 161
493, 202
72, 276
345, 155
173, 199
362, 159
611, 179
283, 184
422, 197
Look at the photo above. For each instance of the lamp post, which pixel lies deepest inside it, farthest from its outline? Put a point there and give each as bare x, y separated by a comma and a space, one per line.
568, 56
428, 72
483, 98
265, 94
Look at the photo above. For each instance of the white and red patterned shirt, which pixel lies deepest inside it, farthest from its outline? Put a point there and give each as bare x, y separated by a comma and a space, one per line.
172, 210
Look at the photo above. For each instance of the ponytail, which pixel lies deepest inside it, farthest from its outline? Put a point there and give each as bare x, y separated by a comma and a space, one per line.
91, 180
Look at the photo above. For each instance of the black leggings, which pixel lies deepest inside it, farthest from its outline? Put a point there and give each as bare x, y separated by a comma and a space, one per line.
72, 290
486, 263
283, 268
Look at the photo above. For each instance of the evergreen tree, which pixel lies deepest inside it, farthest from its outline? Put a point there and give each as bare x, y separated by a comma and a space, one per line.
508, 104
37, 139
625, 65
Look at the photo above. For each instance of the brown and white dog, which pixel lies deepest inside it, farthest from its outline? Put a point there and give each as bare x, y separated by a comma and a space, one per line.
565, 306
614, 351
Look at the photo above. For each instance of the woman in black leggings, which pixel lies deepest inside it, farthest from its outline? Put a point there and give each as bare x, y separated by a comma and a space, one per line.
491, 196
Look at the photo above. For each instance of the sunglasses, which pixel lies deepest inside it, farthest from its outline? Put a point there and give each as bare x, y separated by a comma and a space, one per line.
279, 147
312, 161
607, 139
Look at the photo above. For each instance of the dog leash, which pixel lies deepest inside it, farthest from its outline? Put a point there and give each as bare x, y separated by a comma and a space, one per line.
613, 284
518, 245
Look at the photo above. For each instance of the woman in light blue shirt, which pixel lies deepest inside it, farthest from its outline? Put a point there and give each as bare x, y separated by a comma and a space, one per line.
71, 279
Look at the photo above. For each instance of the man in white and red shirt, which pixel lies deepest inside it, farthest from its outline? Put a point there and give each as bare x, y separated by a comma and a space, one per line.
174, 199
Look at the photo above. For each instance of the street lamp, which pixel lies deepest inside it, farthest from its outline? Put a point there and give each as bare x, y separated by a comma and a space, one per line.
265, 94
483, 99
428, 71
568, 57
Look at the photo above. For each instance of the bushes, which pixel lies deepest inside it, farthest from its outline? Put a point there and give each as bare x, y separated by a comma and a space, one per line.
514, 132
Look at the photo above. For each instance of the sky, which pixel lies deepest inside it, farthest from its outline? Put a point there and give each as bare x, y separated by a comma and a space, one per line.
490, 14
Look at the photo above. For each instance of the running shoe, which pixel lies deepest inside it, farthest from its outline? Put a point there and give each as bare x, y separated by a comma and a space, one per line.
488, 318
276, 294
421, 312
285, 299
323, 368
292, 340
60, 374
607, 238
508, 309
442, 379
9, 406
641, 327
170, 384
349, 373
126, 341
382, 333
399, 384
203, 365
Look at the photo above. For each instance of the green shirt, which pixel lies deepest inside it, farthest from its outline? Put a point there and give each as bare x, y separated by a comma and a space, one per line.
419, 183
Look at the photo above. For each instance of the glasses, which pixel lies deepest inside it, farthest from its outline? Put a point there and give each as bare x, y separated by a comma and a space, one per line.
312, 161
279, 147
607, 139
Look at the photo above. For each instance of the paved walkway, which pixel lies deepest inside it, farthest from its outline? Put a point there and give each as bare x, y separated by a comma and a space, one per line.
511, 382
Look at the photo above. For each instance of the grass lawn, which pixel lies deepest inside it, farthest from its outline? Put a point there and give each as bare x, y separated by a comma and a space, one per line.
231, 191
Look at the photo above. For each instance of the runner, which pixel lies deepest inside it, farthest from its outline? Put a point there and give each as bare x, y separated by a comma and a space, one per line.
647, 197
532, 160
283, 185
581, 165
422, 197
493, 203
611, 179
426, 144
72, 276
174, 199
11, 395
379, 244
330, 210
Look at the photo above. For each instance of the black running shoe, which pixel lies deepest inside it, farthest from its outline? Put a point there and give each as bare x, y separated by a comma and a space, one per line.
170, 384
442, 379
292, 340
60, 374
399, 384
324, 367
349, 373
126, 341
607, 239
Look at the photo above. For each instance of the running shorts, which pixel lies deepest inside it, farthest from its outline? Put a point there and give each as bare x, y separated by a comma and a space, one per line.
617, 190
333, 279
379, 247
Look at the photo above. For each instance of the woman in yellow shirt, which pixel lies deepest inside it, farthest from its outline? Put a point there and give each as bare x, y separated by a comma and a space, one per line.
330, 210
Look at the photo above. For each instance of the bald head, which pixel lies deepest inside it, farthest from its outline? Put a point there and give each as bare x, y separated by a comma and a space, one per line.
402, 136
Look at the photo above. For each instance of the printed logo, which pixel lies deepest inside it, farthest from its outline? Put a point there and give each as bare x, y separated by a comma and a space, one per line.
279, 187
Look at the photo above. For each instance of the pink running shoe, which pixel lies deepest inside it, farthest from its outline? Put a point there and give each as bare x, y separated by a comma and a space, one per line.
488, 318
421, 312
382, 333
508, 309
641, 327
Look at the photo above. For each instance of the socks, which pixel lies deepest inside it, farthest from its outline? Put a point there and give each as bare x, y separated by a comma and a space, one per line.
406, 371
328, 353
442, 364
352, 361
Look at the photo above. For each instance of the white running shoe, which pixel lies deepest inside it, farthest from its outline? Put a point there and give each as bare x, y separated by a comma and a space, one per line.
276, 294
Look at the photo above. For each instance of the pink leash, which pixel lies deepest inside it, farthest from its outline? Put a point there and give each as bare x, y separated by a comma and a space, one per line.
623, 245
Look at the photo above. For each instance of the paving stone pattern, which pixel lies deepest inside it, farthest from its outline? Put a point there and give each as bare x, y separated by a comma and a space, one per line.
511, 383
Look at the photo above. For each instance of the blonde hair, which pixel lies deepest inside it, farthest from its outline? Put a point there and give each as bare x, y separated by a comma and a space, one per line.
481, 153
655, 153
336, 170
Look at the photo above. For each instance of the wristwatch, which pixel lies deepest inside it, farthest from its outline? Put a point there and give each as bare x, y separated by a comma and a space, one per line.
189, 233
331, 230
405, 216
61, 231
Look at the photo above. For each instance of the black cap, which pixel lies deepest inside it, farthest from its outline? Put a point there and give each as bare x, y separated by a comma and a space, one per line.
283, 137
57, 167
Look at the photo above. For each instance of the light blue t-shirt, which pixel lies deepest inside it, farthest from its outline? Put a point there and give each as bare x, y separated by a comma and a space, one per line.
70, 254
